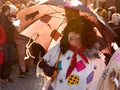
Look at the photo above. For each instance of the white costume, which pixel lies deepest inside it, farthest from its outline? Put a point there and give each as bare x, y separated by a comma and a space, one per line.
90, 74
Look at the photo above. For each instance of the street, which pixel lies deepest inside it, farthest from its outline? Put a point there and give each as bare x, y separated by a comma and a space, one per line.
29, 82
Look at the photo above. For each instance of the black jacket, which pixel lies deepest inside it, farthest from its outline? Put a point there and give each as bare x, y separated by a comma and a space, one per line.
8, 27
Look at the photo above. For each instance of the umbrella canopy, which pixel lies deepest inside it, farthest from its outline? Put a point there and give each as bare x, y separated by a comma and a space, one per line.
48, 34
44, 20
50, 16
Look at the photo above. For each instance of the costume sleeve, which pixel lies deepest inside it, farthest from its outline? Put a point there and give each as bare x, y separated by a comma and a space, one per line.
2, 35
50, 57
52, 54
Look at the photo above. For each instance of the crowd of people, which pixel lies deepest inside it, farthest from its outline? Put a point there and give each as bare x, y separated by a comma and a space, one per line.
112, 17
80, 64
14, 45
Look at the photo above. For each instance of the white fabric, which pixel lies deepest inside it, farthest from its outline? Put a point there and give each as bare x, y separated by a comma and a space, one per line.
52, 55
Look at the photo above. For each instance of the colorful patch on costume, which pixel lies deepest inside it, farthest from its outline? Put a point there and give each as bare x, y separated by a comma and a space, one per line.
73, 79
80, 66
59, 65
104, 75
117, 57
90, 77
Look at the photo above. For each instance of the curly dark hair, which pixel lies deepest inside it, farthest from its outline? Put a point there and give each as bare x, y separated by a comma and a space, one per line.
84, 27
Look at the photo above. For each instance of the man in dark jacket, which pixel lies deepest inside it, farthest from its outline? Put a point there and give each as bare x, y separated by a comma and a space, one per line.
9, 44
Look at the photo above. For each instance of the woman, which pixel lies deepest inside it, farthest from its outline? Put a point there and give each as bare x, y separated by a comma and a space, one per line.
110, 79
80, 65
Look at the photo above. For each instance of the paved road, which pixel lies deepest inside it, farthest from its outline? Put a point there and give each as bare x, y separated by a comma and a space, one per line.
29, 82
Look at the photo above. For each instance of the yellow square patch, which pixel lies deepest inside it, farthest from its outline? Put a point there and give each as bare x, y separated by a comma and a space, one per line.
73, 79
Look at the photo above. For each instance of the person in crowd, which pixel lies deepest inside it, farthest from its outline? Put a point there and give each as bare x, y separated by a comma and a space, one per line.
9, 44
110, 79
115, 25
80, 64
13, 10
111, 10
0, 3
115, 21
30, 3
21, 42
21, 7
2, 41
102, 13
24, 1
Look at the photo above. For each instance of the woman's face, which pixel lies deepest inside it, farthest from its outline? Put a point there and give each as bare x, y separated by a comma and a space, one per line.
74, 39
115, 19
